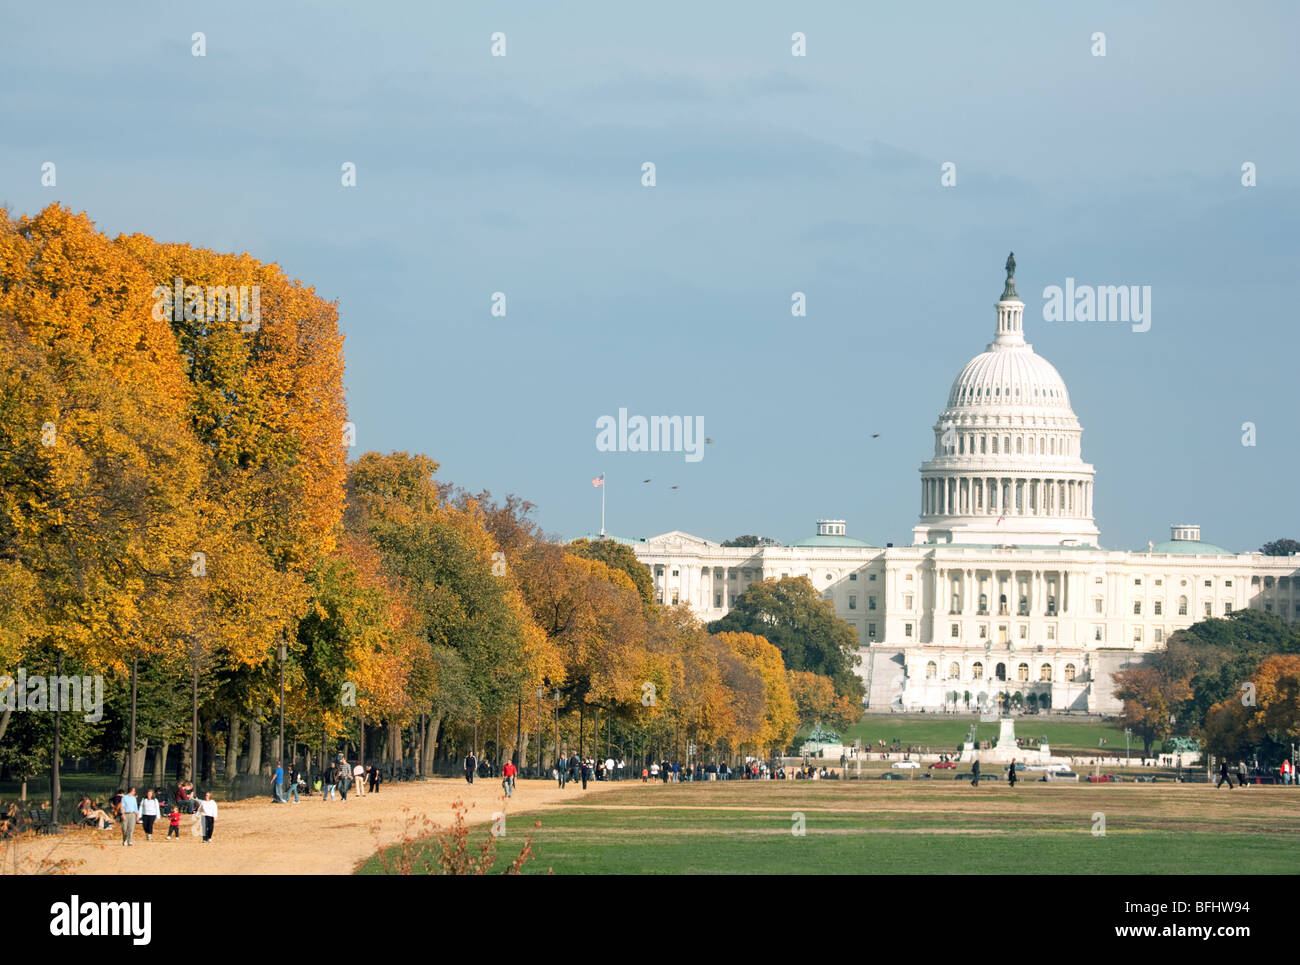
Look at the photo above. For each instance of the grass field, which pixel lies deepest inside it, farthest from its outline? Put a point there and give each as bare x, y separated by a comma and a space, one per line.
897, 828
945, 732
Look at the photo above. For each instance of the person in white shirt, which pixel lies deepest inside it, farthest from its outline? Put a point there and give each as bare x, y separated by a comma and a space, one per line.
359, 779
208, 808
149, 813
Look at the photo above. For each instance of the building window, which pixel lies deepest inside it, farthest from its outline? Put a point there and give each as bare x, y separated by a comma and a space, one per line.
1137, 634
853, 577
1227, 583
1268, 608
984, 631
1209, 608
717, 599
829, 577
1160, 582
1097, 580
674, 599
1001, 671
1096, 605
907, 601
1022, 672
871, 577
1024, 632
871, 630
871, 603
907, 629
675, 572
984, 603
1051, 631
977, 671
1045, 673
1209, 583
853, 601
1158, 606
954, 671
1182, 606
1227, 608
1069, 672
931, 670
1159, 635
1098, 633
1137, 608
956, 630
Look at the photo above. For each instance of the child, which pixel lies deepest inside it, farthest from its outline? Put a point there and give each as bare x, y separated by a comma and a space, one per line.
174, 828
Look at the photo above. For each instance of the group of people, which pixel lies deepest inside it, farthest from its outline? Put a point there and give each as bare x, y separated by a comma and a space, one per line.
341, 776
130, 810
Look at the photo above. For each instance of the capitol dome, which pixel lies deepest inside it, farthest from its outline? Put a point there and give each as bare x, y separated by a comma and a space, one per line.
1007, 467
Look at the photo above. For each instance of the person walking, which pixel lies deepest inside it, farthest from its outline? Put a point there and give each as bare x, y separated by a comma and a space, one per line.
209, 809
174, 825
1011, 773
560, 767
1286, 772
149, 813
359, 778
1224, 776
586, 773
975, 773
291, 794
345, 778
277, 784
130, 812
471, 765
374, 779
331, 778
508, 778
1241, 773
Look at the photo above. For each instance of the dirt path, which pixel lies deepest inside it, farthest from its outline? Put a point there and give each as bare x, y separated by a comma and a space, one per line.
314, 837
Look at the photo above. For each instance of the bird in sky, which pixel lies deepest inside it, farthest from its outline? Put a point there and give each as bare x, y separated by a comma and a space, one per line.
645, 480
875, 435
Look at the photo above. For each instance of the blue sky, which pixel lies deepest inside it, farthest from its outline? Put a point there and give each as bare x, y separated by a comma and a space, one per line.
775, 174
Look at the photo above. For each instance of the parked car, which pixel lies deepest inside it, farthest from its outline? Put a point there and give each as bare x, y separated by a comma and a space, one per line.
905, 765
1053, 768
943, 765
889, 776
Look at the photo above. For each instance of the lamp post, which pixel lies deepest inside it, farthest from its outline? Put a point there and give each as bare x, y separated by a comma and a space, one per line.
557, 724
1127, 734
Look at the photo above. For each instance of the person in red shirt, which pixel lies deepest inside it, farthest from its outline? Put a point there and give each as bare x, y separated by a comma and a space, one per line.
174, 826
508, 777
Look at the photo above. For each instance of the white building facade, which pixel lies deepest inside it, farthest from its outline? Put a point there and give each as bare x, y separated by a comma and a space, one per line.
1005, 591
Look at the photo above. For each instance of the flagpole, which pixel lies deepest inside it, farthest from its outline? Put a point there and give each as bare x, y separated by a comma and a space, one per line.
602, 505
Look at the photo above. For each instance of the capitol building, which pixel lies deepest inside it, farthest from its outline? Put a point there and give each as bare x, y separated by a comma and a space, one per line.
1005, 591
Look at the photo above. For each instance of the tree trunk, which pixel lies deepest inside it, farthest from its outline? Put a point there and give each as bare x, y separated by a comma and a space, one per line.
394, 742
232, 749
209, 761
160, 764
54, 754
4, 721
254, 763
432, 726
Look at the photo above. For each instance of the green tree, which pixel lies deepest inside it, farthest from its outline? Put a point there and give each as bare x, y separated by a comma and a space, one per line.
617, 556
1280, 547
790, 614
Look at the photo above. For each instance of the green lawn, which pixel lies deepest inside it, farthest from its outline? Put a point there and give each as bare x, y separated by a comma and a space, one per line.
895, 828
945, 732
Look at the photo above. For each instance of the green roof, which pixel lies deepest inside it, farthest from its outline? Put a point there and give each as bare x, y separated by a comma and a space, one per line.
832, 541
1188, 547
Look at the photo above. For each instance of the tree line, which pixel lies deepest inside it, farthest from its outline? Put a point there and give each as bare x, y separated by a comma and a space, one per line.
179, 515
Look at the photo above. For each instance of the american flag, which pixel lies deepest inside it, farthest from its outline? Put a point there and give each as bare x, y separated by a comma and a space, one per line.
599, 480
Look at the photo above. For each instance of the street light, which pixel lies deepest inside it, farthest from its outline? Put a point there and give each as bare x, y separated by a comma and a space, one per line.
1127, 734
